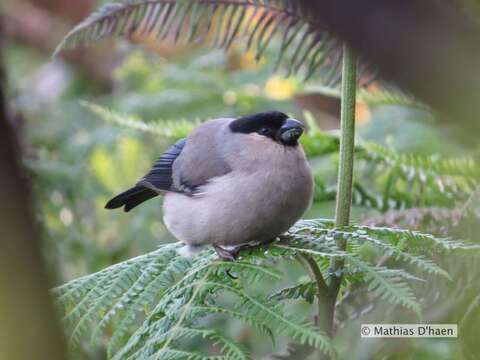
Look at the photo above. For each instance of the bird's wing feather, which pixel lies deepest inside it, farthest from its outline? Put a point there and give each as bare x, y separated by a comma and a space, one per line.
201, 158
159, 178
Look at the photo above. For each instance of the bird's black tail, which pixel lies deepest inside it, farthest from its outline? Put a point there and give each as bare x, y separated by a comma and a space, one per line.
131, 198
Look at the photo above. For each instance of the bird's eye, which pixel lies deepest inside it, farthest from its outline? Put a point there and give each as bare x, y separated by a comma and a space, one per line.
264, 131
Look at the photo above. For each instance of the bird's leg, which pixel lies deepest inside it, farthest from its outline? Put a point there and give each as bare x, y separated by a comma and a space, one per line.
233, 253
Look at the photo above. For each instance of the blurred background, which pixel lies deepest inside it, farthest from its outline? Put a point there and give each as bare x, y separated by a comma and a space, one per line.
80, 119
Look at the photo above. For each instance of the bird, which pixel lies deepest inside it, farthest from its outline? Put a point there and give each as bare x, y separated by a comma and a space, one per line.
232, 183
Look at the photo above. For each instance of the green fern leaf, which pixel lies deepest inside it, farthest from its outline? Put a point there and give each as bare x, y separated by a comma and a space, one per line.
419, 261
171, 129
258, 22
181, 292
304, 291
387, 284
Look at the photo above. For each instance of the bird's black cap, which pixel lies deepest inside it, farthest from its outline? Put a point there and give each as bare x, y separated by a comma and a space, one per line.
270, 124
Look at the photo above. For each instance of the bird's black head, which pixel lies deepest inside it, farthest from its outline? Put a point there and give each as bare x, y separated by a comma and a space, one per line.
272, 124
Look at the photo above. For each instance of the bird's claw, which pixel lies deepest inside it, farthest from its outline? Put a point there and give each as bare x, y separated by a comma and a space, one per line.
227, 255
232, 254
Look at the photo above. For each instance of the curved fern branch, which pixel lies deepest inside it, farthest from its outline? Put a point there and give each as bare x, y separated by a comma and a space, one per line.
307, 42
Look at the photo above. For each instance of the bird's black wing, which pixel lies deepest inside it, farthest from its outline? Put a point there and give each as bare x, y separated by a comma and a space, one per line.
160, 176
157, 180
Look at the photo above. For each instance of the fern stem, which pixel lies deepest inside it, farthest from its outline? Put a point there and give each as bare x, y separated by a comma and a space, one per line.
345, 172
347, 140
345, 183
322, 319
315, 273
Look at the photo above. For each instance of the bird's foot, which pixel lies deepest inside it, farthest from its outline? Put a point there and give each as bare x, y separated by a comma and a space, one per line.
227, 254
233, 253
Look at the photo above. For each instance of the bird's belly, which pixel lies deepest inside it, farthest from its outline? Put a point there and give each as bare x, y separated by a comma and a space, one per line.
231, 212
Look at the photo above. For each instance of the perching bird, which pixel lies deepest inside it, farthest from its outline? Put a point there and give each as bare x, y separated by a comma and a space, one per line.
231, 183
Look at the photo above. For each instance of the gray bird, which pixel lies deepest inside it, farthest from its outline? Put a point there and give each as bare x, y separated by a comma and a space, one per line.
232, 183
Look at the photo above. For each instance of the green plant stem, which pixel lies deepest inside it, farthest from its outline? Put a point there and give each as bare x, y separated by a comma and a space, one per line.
345, 172
314, 271
347, 140
322, 292
327, 300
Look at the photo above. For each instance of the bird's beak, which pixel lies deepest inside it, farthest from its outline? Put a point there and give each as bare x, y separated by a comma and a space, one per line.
290, 132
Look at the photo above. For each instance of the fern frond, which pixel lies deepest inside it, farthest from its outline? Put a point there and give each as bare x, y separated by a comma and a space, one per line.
403, 180
421, 166
417, 241
111, 284
200, 311
264, 312
227, 347
171, 129
401, 244
172, 294
391, 97
175, 354
222, 22
397, 253
439, 181
372, 98
149, 285
387, 285
274, 315
160, 330
435, 220
304, 291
